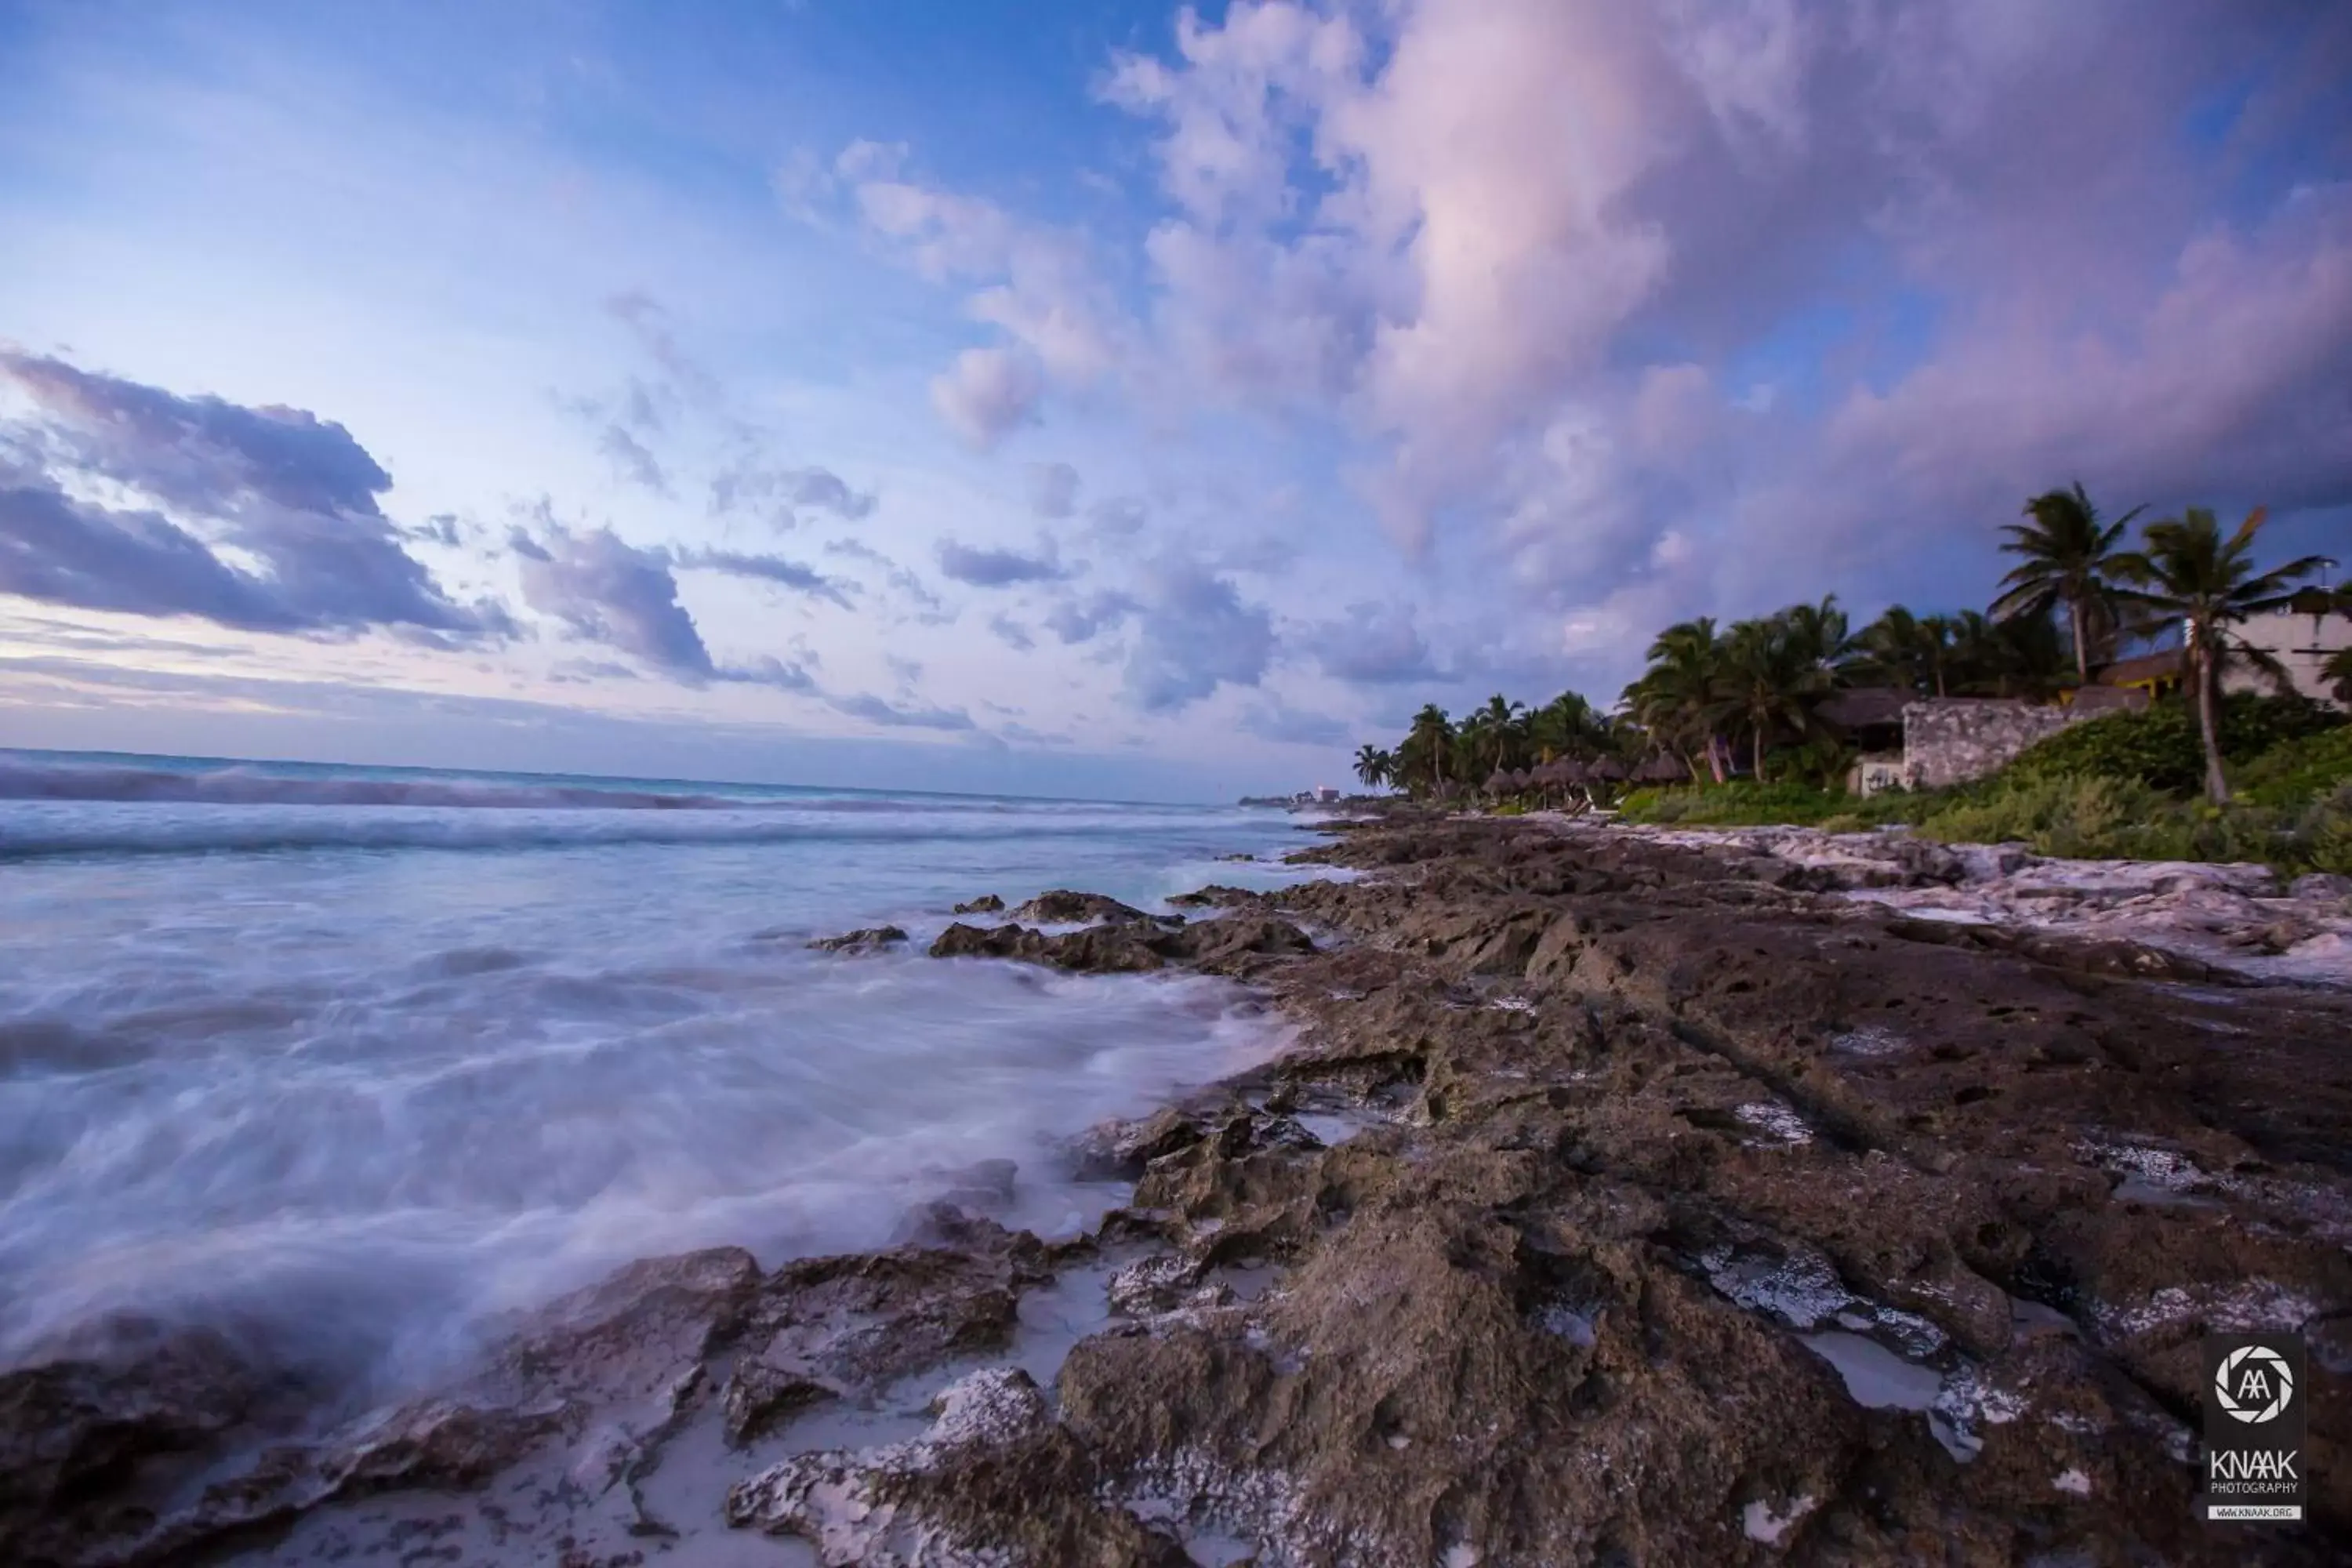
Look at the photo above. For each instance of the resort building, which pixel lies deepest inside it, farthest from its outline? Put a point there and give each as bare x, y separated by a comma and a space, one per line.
2300, 642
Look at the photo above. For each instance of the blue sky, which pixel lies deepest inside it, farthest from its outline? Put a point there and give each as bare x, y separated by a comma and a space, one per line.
1098, 398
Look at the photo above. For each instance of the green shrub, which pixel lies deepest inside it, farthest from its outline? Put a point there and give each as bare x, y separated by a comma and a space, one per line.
1745, 804
2074, 816
2298, 771
2323, 836
2160, 746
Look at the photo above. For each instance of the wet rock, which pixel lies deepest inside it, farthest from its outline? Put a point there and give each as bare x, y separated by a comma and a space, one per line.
872, 939
1064, 907
986, 904
1216, 895
77, 1431
1120, 1150
439, 1442
1097, 950
993, 1481
1620, 1200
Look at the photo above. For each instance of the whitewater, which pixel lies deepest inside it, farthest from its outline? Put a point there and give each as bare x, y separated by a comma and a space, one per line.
349, 1062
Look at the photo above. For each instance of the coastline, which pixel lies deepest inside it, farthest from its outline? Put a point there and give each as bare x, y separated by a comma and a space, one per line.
1626, 1196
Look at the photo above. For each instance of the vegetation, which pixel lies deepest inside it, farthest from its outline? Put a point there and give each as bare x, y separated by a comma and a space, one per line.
2068, 556
1745, 712
2187, 574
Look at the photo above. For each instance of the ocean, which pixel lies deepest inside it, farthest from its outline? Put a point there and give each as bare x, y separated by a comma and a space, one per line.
352, 1061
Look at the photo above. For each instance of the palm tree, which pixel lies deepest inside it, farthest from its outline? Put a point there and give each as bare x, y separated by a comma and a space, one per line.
2187, 573
2068, 556
1938, 639
1374, 766
1423, 756
2021, 658
2337, 672
1895, 649
1822, 635
1568, 725
1674, 698
1769, 685
1499, 722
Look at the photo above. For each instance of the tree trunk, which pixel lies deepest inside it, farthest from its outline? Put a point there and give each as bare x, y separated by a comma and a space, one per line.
2080, 623
2206, 670
1715, 762
1759, 753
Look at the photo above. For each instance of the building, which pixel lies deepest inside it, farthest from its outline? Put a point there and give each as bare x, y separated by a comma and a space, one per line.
2152, 674
2300, 642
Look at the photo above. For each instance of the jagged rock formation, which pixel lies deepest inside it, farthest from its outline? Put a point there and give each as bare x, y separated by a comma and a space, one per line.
1623, 1201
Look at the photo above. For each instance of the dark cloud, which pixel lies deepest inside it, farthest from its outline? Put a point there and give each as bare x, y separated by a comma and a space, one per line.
1014, 730
606, 590
986, 568
280, 485
631, 459
927, 606
767, 569
1287, 726
649, 322
748, 483
1372, 645
1012, 633
1053, 489
1193, 634
1118, 517
444, 529
874, 711
1078, 620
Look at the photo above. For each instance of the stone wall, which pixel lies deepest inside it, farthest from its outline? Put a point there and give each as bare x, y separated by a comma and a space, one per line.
1948, 740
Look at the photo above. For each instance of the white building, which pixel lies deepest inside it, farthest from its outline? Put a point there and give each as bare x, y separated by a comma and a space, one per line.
2302, 642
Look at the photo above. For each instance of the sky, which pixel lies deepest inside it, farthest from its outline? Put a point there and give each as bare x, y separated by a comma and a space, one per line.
1103, 399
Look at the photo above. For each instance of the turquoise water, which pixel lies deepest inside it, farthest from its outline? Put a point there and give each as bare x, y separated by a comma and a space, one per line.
350, 1059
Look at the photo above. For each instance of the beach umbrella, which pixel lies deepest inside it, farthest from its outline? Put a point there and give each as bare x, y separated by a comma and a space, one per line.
1608, 770
1662, 769
1498, 781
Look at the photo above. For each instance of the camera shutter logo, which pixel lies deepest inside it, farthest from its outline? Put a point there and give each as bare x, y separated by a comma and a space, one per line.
2254, 1384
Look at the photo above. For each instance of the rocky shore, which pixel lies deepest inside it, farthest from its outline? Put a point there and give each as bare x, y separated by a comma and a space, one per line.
1627, 1198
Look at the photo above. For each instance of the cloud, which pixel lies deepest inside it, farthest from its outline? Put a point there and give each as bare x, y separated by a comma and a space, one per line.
1637, 312
1285, 725
988, 393
1193, 634
874, 711
1117, 517
1058, 322
1053, 489
1373, 645
767, 569
927, 607
1012, 633
294, 494
649, 322
1079, 620
609, 591
988, 568
631, 461
749, 482
604, 589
